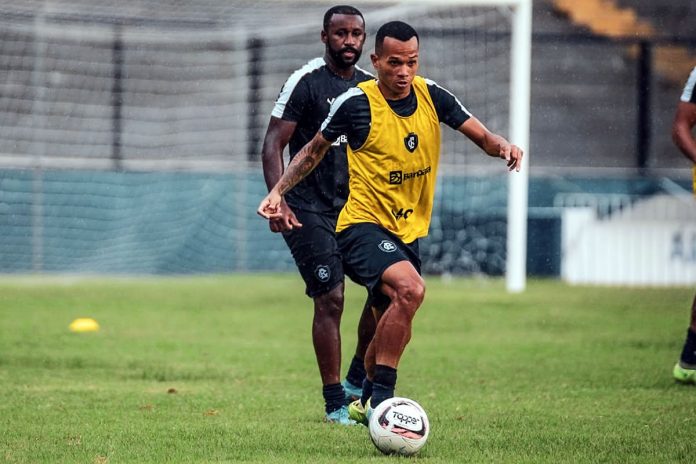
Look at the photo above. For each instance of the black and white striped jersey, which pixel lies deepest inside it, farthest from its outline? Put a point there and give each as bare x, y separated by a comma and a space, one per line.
689, 93
305, 99
351, 114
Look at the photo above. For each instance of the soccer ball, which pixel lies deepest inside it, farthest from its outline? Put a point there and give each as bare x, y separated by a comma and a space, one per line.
399, 426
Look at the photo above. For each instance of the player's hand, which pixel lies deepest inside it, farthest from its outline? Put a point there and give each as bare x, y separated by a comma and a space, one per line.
269, 207
512, 154
286, 221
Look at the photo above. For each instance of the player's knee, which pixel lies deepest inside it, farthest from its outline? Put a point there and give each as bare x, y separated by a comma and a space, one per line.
411, 292
330, 304
417, 292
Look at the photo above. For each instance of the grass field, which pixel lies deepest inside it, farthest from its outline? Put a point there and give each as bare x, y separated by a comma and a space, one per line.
221, 369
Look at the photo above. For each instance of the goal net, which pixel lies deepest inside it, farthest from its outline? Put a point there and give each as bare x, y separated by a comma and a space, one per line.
130, 132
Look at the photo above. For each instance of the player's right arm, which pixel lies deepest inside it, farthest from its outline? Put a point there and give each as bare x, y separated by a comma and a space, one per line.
336, 123
301, 165
684, 122
277, 138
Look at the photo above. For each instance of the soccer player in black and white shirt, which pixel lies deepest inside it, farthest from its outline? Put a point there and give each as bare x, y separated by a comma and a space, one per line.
308, 222
683, 136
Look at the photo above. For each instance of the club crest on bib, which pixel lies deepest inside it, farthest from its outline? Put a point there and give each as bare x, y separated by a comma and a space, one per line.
411, 142
387, 246
323, 273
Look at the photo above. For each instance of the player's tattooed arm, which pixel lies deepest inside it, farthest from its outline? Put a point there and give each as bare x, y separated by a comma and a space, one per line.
302, 164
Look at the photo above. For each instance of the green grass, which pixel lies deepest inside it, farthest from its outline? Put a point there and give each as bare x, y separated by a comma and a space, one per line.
221, 369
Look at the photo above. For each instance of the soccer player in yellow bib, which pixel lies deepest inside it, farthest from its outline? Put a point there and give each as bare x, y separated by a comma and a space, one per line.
682, 134
393, 131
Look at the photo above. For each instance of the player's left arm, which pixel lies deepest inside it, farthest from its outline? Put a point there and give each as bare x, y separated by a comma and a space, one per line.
493, 144
453, 113
301, 165
682, 127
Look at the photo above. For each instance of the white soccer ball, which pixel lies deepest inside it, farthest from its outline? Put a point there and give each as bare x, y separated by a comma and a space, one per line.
399, 426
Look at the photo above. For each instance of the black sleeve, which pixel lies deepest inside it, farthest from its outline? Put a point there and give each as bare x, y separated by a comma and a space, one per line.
296, 104
349, 115
449, 109
689, 92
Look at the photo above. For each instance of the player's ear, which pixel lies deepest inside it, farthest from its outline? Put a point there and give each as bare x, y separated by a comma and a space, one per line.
375, 60
324, 36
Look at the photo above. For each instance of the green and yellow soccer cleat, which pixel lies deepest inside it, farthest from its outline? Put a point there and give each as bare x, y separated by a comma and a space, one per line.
683, 374
358, 412
339, 416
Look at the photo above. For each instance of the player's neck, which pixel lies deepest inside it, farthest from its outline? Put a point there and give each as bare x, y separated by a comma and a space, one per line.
343, 73
389, 94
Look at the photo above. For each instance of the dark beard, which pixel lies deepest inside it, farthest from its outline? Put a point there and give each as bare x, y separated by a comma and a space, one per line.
337, 56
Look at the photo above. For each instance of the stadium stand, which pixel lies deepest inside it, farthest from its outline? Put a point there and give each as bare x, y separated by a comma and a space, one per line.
673, 17
584, 95
607, 18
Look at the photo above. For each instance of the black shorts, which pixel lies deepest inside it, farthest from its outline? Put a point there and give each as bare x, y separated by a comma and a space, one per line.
315, 250
368, 250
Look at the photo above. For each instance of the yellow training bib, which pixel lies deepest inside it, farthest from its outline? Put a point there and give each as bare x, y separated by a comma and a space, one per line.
392, 176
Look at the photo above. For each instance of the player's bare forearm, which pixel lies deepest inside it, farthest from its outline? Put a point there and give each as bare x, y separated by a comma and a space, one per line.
687, 145
272, 169
492, 144
303, 163
497, 146
682, 130
277, 137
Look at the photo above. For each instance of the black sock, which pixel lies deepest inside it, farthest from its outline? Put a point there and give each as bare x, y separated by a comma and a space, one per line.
367, 391
334, 396
383, 384
688, 355
356, 372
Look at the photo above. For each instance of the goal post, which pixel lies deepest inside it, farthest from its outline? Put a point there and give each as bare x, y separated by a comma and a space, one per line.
520, 97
